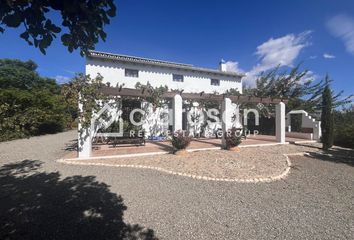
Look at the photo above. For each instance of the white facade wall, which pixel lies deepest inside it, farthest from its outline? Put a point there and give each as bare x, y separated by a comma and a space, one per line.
114, 72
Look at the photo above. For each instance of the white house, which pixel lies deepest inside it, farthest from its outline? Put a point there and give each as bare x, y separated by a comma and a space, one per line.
128, 70
183, 113
180, 108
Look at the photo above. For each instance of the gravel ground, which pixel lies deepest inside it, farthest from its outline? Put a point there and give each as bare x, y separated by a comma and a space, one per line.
249, 163
314, 202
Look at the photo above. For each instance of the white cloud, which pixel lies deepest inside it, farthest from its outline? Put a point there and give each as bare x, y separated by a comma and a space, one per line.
313, 57
328, 56
277, 51
69, 71
342, 26
310, 75
62, 79
233, 67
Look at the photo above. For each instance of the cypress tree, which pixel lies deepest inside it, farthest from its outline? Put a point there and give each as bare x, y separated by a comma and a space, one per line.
327, 117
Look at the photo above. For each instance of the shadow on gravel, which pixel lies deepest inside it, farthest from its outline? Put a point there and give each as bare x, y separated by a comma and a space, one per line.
337, 155
71, 146
40, 205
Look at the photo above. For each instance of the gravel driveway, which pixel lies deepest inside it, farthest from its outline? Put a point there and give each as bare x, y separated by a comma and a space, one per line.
58, 201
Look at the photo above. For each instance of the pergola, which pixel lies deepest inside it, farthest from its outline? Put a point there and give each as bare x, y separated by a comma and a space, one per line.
130, 92
85, 138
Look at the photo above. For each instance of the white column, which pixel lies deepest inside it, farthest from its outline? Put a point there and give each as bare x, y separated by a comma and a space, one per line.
84, 141
226, 110
148, 112
280, 122
317, 131
177, 112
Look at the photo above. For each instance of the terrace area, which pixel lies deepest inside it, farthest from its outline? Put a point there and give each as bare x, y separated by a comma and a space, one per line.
160, 147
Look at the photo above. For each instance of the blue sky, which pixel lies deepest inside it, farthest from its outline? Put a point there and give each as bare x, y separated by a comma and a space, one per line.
251, 35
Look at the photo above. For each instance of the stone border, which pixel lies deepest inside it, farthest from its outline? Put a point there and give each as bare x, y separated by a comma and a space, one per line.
283, 175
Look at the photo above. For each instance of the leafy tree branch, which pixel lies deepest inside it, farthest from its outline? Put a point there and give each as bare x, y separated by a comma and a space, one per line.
82, 21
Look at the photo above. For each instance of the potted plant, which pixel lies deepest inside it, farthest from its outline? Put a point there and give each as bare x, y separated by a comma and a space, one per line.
232, 139
180, 141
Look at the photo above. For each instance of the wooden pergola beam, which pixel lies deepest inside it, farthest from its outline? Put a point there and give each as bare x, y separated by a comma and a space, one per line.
130, 92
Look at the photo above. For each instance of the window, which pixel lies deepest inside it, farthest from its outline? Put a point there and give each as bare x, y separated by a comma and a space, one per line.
131, 73
177, 78
215, 82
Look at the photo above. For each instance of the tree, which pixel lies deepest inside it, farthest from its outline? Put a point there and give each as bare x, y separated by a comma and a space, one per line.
327, 117
298, 87
315, 100
82, 21
29, 104
22, 75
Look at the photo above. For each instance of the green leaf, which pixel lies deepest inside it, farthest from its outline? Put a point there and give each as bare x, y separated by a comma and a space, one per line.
103, 35
24, 35
42, 50
35, 42
56, 29
66, 39
13, 20
112, 11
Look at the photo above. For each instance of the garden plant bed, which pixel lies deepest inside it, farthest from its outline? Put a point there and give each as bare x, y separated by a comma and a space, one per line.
250, 164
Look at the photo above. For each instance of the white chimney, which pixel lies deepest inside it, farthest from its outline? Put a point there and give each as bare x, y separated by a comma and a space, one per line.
222, 65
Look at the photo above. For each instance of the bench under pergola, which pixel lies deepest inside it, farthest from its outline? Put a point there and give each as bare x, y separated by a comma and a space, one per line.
85, 138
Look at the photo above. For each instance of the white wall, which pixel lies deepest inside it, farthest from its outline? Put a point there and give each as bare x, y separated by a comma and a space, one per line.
308, 136
114, 72
306, 122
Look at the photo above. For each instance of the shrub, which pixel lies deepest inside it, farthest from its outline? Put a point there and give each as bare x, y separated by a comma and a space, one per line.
344, 127
232, 138
50, 126
29, 104
344, 136
180, 140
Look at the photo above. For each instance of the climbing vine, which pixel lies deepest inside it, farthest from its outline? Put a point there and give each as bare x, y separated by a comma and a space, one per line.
155, 94
85, 91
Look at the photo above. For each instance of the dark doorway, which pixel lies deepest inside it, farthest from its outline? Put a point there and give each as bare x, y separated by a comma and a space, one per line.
296, 122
